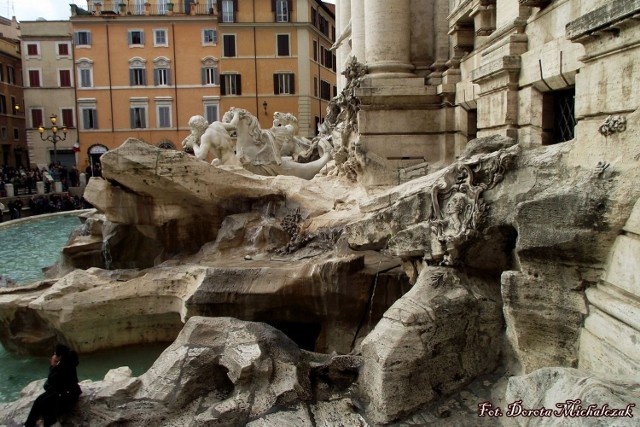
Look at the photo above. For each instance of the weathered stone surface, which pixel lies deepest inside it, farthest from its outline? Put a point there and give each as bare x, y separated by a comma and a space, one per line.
437, 338
169, 202
548, 387
252, 372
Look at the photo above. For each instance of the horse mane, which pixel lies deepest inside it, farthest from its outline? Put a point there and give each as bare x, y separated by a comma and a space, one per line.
255, 131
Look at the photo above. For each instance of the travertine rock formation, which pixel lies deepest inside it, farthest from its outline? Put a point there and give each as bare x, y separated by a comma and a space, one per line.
564, 396
218, 371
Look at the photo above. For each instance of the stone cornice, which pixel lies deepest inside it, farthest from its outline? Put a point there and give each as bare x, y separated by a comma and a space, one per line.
602, 19
505, 64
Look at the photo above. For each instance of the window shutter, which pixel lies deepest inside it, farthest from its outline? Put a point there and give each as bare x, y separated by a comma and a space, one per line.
131, 77
292, 83
95, 118
204, 76
273, 5
88, 38
239, 80
289, 9
219, 5
132, 117
142, 37
276, 85
223, 85
216, 76
169, 77
129, 38
156, 76
76, 37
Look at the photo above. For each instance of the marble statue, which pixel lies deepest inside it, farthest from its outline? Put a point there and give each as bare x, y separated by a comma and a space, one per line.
258, 150
285, 129
212, 138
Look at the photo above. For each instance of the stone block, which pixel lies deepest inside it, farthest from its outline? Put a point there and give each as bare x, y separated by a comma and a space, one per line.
397, 122
623, 268
600, 357
633, 223
614, 335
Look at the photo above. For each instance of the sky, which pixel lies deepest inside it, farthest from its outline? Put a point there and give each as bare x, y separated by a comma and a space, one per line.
30, 10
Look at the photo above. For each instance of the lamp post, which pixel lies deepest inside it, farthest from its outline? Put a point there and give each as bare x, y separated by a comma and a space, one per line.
54, 137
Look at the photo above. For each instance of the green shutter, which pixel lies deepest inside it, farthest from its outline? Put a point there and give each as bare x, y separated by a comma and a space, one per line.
276, 85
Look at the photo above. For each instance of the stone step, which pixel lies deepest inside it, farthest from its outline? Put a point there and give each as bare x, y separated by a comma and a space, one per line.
623, 307
622, 270
614, 333
603, 358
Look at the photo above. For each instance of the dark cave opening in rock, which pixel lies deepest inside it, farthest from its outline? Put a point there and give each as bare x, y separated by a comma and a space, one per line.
304, 334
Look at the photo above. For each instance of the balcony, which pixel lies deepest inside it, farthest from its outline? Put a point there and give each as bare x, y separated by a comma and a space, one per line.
108, 8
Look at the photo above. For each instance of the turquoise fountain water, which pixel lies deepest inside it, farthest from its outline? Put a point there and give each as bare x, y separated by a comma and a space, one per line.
25, 248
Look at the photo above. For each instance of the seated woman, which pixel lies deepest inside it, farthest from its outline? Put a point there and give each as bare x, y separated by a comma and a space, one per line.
61, 389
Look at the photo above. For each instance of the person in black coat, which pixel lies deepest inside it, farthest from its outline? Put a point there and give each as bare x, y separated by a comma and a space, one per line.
61, 389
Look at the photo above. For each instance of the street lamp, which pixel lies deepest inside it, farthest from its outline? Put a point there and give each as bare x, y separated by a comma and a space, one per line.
54, 137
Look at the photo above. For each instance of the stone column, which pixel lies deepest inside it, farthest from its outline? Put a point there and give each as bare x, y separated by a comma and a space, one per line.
388, 41
357, 30
343, 16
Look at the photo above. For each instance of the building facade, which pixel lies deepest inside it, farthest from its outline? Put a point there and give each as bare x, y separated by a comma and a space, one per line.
144, 69
480, 68
49, 80
13, 140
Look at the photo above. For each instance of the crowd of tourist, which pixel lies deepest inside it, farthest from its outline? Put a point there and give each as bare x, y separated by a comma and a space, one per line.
24, 180
24, 183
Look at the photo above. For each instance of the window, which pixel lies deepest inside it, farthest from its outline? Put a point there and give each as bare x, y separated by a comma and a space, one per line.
315, 51
230, 84
89, 117
229, 8
137, 77
314, 17
37, 118
315, 86
65, 78
82, 38
164, 116
138, 117
13, 105
67, 117
33, 50
281, 10
2, 73
283, 45
3, 136
161, 77
63, 50
137, 72
34, 78
211, 111
284, 83
209, 37
161, 71
11, 74
3, 104
85, 72
160, 38
16, 134
136, 38
229, 45
325, 90
558, 115
210, 74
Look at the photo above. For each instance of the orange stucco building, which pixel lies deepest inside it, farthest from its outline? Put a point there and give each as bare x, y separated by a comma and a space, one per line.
143, 70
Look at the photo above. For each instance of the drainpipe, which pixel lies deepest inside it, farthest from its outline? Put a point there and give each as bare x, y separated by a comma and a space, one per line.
255, 58
109, 73
175, 77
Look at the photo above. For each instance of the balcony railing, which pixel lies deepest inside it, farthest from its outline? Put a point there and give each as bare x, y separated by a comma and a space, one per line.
151, 8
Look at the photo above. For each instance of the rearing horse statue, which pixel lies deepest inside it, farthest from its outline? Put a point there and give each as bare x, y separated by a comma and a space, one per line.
258, 152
